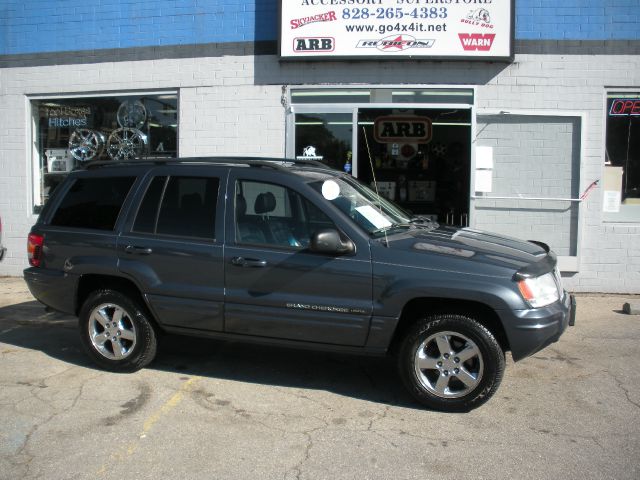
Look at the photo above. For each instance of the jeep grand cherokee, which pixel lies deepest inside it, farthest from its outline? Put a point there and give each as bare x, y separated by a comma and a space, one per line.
289, 253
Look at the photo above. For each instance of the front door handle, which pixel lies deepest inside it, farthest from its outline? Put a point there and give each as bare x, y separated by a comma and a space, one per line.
248, 262
138, 250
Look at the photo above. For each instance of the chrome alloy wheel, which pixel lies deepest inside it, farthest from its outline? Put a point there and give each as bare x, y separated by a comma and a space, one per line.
448, 364
112, 332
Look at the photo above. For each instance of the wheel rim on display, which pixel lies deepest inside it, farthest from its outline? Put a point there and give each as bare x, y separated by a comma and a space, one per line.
448, 364
112, 331
85, 144
131, 114
126, 144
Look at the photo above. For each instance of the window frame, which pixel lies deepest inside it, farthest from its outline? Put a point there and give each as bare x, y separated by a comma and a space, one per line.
631, 214
34, 171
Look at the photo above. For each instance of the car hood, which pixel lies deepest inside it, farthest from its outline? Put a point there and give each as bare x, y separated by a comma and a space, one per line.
474, 251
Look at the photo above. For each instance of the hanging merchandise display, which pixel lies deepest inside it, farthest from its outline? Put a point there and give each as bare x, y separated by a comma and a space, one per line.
86, 144
131, 114
126, 144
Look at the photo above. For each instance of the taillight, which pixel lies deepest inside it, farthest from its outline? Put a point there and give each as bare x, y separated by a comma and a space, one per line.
34, 249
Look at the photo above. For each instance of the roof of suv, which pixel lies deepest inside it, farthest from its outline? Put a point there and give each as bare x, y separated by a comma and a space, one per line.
269, 162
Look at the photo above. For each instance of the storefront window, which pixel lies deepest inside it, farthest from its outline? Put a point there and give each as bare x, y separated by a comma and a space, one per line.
325, 137
621, 182
69, 132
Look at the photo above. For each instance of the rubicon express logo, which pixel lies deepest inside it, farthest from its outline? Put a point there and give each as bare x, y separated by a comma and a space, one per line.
477, 41
396, 43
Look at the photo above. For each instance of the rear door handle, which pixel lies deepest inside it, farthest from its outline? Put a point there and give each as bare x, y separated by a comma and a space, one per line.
248, 262
138, 250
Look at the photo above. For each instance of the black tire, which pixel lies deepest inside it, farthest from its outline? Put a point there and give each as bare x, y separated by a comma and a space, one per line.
457, 380
116, 332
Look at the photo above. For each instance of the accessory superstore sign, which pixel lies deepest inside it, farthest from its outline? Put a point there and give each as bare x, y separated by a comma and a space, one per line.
352, 29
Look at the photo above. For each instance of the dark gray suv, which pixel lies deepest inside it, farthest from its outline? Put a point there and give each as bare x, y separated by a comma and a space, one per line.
289, 253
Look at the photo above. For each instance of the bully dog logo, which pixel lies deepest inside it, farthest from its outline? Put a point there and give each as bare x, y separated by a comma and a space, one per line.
479, 17
396, 43
477, 41
321, 17
313, 44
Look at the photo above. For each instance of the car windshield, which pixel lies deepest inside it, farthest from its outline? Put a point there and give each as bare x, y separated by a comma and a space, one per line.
374, 214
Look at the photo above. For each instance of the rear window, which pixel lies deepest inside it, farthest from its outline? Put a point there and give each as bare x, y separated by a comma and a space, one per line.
93, 203
179, 206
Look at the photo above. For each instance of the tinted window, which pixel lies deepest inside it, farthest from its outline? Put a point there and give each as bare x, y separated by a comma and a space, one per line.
187, 207
93, 203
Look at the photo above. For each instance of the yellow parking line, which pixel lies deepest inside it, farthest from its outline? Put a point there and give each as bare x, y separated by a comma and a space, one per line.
169, 405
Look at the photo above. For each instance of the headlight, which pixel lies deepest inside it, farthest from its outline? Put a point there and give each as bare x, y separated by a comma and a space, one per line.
540, 291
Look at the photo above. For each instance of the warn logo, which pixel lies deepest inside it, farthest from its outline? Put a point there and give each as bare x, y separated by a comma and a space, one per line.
477, 41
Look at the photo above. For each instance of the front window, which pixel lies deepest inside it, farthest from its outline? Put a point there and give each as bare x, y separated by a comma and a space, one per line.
276, 216
621, 182
69, 132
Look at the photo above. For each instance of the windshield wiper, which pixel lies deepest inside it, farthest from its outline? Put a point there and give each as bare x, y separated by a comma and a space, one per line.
424, 222
388, 228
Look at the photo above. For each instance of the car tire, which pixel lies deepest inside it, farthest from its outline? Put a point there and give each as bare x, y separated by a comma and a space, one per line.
450, 362
116, 331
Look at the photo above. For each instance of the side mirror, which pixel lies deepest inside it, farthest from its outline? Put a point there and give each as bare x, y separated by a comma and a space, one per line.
329, 241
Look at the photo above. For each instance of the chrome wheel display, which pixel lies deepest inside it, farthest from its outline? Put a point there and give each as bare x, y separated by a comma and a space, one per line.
85, 144
112, 332
126, 144
131, 114
448, 364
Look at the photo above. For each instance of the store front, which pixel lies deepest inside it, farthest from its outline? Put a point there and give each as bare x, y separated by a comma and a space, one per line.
413, 144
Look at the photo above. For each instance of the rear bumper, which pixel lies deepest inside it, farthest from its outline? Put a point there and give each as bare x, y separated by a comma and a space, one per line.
529, 331
53, 288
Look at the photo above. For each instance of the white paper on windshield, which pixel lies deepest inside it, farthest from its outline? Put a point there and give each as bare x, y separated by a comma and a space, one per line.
374, 216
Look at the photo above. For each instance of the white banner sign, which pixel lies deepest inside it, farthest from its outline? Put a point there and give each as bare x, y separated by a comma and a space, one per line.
396, 28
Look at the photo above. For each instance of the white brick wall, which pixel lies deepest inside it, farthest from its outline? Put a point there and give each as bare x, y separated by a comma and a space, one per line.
232, 105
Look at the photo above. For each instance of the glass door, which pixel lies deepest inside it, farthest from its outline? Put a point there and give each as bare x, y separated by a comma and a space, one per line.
421, 158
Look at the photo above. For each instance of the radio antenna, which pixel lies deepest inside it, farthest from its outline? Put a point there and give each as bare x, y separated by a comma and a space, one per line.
375, 183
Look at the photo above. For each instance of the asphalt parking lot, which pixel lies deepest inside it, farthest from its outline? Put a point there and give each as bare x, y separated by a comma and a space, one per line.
212, 410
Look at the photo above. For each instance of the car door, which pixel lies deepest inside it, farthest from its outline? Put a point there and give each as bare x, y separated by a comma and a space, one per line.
275, 286
172, 245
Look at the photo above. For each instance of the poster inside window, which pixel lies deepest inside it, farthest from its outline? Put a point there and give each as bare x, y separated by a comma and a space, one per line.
621, 182
70, 132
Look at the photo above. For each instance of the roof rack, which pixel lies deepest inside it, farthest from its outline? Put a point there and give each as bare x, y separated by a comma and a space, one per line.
250, 161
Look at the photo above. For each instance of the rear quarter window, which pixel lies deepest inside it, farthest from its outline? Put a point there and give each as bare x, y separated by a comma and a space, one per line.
93, 203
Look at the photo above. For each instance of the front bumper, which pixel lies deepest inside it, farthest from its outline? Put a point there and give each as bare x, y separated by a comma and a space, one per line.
531, 330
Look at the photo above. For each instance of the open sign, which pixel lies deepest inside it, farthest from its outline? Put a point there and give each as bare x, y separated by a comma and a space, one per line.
407, 129
625, 107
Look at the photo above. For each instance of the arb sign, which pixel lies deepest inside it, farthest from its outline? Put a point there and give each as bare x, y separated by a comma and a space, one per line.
393, 129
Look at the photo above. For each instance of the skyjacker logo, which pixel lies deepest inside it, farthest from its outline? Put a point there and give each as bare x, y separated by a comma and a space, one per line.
321, 17
477, 41
396, 43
